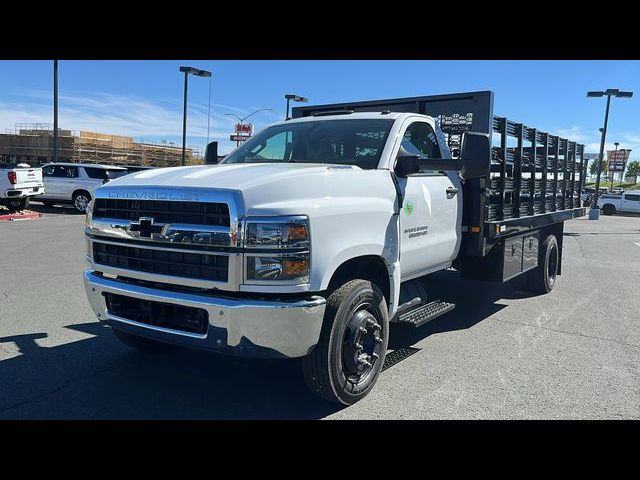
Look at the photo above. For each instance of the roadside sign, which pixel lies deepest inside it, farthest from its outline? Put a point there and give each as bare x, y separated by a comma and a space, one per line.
239, 138
591, 156
244, 129
618, 159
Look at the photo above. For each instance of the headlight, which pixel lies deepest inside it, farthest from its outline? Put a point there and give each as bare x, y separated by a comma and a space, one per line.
291, 232
277, 250
279, 268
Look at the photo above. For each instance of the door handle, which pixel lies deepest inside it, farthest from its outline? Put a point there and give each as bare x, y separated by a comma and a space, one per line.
452, 190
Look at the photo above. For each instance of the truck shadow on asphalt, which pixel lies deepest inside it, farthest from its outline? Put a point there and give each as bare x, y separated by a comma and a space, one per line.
99, 378
62, 209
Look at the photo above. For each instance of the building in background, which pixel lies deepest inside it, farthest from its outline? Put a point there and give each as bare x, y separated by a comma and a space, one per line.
33, 144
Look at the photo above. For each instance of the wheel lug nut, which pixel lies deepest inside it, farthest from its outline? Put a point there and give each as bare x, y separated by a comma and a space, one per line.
359, 346
378, 340
375, 355
362, 329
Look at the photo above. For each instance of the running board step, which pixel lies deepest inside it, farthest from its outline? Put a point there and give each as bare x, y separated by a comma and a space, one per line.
425, 313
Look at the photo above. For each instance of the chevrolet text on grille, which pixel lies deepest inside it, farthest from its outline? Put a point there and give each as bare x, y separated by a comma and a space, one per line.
135, 195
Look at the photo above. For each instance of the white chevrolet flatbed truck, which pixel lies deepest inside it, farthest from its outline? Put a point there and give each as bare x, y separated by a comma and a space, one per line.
317, 233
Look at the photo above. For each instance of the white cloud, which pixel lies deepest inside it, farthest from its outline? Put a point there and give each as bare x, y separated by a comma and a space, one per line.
132, 116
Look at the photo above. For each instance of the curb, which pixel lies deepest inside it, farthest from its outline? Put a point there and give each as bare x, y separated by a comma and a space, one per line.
20, 216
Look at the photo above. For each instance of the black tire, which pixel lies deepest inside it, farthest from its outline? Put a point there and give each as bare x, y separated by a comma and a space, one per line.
608, 209
81, 200
18, 204
542, 279
140, 343
335, 371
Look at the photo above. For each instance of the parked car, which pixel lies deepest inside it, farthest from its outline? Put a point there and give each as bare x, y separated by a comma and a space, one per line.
75, 182
18, 184
628, 202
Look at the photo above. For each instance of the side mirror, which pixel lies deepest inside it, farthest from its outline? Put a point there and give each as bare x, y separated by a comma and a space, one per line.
211, 154
475, 155
407, 163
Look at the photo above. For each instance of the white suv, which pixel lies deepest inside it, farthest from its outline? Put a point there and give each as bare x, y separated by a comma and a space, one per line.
75, 182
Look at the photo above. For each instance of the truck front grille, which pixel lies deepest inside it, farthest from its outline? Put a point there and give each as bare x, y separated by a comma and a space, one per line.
194, 213
158, 314
163, 262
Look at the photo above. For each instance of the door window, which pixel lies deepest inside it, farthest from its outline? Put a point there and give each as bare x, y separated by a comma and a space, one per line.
632, 198
420, 139
60, 171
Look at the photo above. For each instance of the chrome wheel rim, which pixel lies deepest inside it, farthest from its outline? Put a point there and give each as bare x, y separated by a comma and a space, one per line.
81, 203
361, 344
552, 266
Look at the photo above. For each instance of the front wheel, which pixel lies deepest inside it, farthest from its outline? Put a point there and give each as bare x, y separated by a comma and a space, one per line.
345, 365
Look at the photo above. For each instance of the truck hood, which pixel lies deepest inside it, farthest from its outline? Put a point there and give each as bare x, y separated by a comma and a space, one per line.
276, 188
240, 176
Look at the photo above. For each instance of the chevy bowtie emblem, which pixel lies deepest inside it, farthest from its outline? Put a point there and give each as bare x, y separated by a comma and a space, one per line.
145, 226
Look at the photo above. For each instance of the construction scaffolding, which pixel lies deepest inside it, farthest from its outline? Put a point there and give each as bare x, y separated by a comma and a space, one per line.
33, 143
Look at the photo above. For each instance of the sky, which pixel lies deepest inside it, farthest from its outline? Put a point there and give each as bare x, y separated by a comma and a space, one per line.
143, 99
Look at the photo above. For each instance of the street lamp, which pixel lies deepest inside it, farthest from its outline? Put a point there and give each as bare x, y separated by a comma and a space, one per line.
55, 110
198, 73
295, 98
611, 92
244, 118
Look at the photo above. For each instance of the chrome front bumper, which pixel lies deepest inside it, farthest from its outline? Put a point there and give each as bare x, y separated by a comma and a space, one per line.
244, 327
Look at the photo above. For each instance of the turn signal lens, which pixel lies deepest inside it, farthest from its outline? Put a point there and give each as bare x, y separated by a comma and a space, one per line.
297, 233
295, 268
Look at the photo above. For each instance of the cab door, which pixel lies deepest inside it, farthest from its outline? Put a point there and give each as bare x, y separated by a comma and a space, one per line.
431, 214
630, 202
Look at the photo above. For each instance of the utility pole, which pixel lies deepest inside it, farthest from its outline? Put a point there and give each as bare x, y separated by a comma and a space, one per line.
55, 110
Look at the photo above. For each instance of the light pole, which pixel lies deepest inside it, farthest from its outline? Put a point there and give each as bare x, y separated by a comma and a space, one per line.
610, 92
244, 118
55, 110
198, 73
295, 98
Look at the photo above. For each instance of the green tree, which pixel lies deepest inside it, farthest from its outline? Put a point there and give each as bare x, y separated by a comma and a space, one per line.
633, 171
593, 167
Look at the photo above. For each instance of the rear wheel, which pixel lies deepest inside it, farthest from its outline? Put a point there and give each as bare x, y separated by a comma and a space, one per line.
140, 343
345, 365
542, 279
608, 209
18, 203
81, 201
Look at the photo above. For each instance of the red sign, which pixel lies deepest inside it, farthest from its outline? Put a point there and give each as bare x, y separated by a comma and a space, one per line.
618, 159
244, 129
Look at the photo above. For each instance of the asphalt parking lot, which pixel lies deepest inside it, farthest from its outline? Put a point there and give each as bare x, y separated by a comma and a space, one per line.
574, 353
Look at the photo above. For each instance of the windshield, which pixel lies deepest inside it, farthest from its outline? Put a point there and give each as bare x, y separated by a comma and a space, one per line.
344, 142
